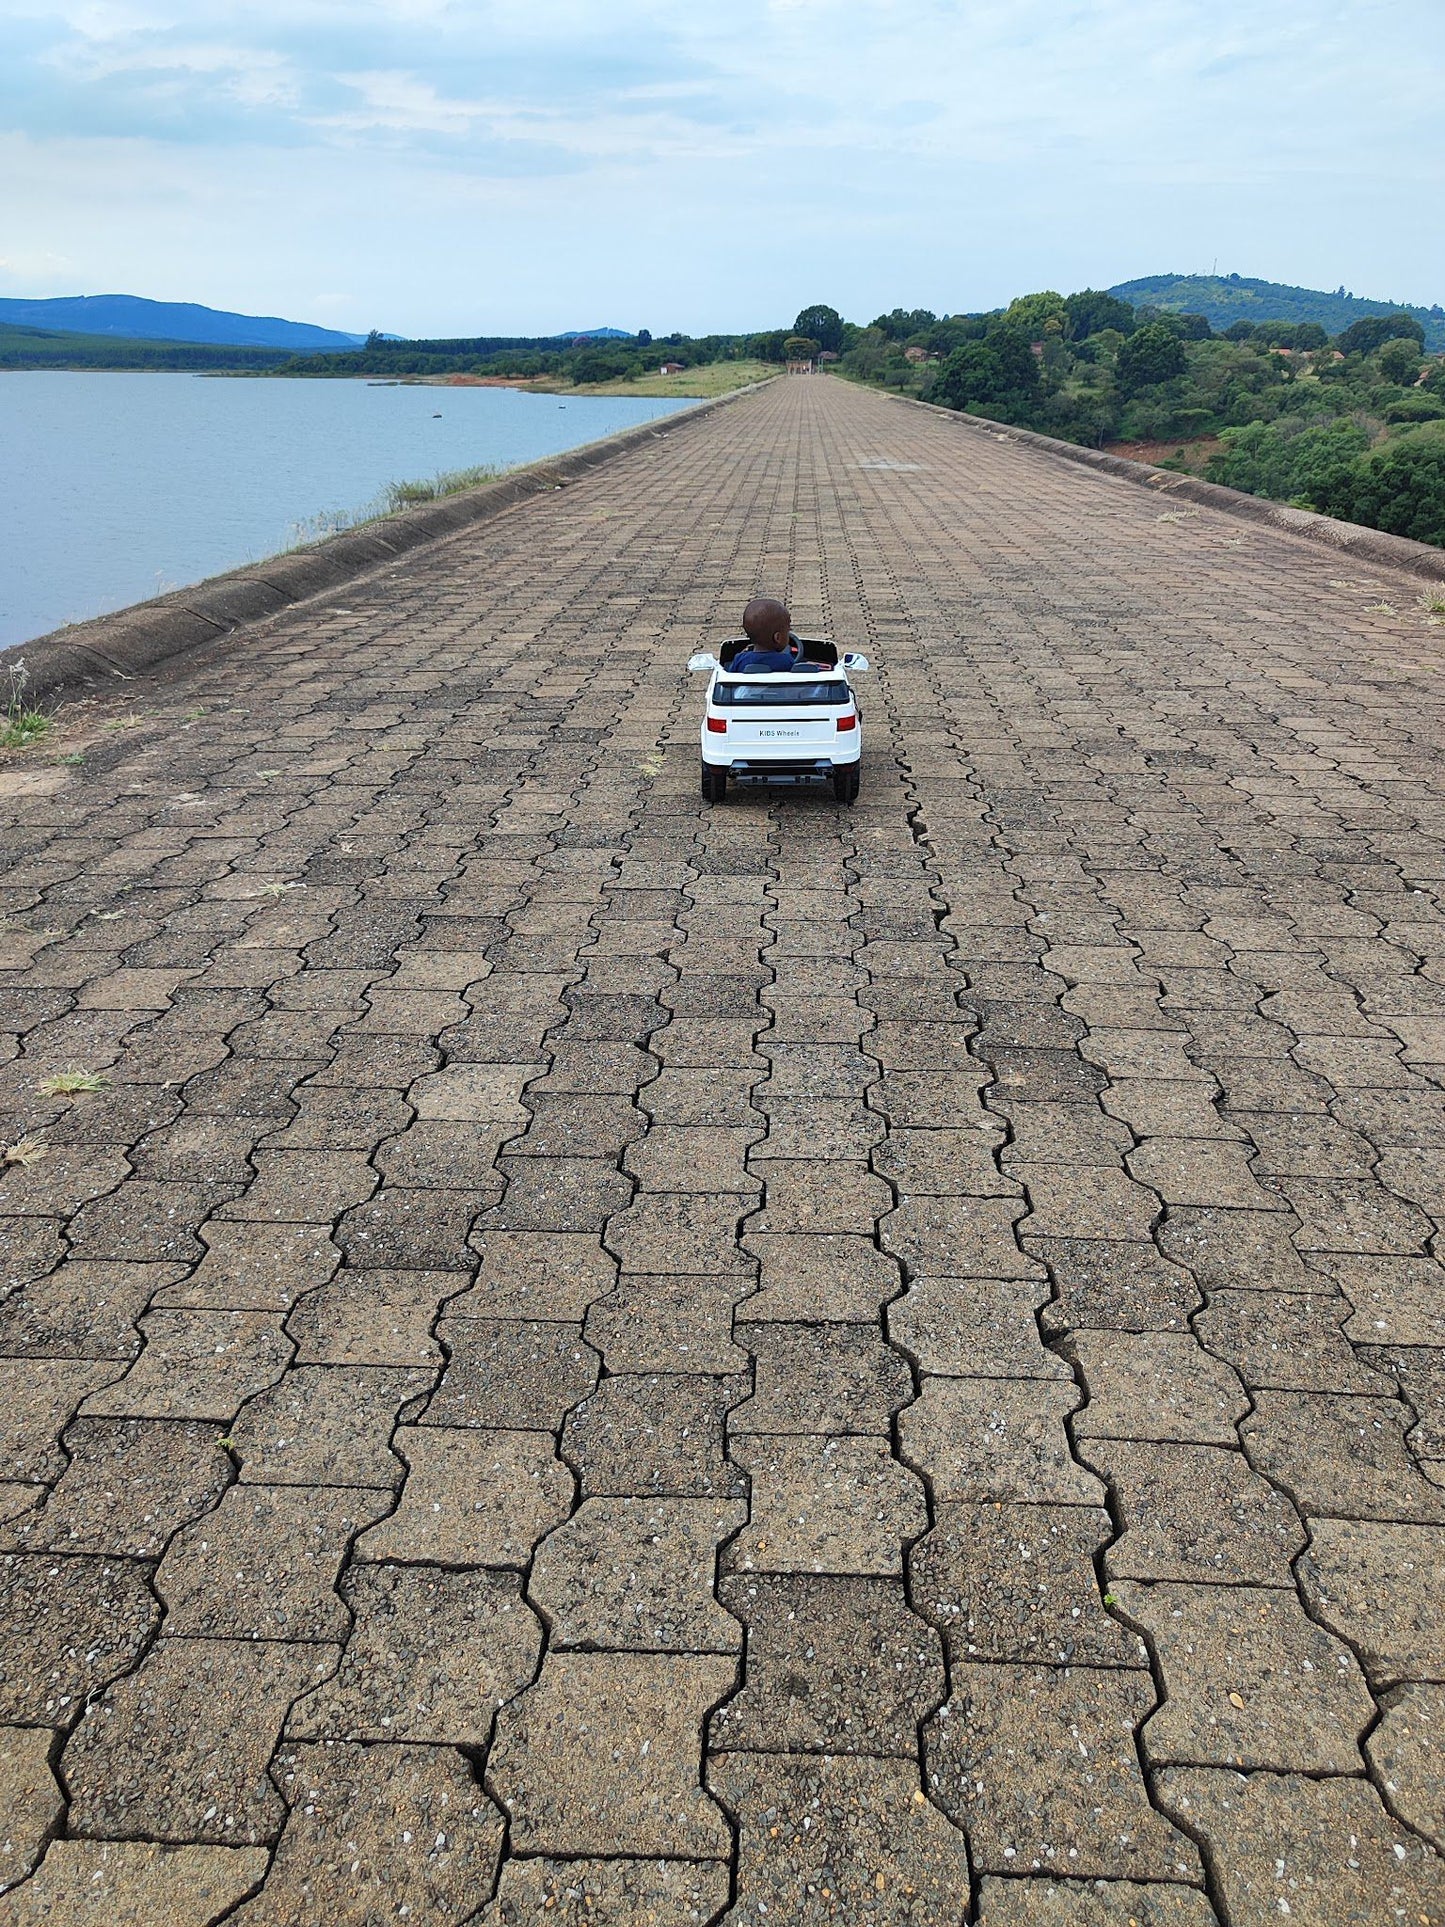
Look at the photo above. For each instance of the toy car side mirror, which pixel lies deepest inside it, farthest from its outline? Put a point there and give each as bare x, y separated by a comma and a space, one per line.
703, 661
851, 661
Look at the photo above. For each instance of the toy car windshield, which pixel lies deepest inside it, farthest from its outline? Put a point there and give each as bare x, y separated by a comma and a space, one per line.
789, 689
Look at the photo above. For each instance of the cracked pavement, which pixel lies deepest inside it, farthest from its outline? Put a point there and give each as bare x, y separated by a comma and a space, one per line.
598, 1358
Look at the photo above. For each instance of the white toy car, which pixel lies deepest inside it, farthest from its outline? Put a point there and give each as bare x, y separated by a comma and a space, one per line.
797, 726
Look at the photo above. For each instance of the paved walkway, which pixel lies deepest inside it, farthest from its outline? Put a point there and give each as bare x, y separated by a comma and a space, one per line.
600, 1359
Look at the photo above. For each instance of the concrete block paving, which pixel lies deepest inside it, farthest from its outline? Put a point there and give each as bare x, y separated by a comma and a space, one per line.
593, 1357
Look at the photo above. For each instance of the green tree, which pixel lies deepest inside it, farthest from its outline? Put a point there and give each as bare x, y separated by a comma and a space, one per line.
1400, 360
1365, 336
823, 325
1038, 314
800, 348
1153, 353
1400, 486
1000, 371
1091, 310
900, 323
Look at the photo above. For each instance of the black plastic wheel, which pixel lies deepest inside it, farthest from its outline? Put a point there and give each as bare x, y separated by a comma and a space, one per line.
846, 783
714, 784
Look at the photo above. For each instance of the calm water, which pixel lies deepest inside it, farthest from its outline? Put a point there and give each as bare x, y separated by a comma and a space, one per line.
117, 487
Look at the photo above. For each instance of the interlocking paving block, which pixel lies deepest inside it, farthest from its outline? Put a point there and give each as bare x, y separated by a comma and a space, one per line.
994, 1438
529, 1274
328, 1425
29, 1247
1242, 1250
670, 1233
833, 1666
60, 1181
1097, 1903
134, 1883
1287, 1340
843, 1839
1090, 1201
67, 1628
1419, 1371
671, 1324
827, 1379
629, 1574
1114, 1285
557, 1194
1018, 1583
1341, 1455
1407, 1751
36, 1404
826, 1128
600, 1756
826, 1505
816, 1196
979, 1327
945, 1163
522, 1373
959, 1237
376, 1828
432, 1654
472, 1497
129, 1485
1397, 1301
264, 1564
695, 1159
820, 1279
408, 1228
474, 1093
1325, 1850
1154, 1385
254, 1267
925, 1100
607, 1893
373, 1318
30, 1801
657, 1434
178, 1749
1199, 1171
1377, 1586
580, 1127
1249, 1681
1194, 1512
82, 1310
1039, 1764
197, 1365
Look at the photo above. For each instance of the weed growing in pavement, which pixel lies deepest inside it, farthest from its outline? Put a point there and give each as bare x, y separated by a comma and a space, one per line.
21, 723
72, 760
25, 1150
1433, 604
72, 1083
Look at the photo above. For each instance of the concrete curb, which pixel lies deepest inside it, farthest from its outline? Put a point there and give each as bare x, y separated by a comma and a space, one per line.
1349, 538
148, 636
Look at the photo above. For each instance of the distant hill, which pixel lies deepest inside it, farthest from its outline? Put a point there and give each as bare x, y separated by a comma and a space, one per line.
136, 319
1227, 298
594, 334
42, 348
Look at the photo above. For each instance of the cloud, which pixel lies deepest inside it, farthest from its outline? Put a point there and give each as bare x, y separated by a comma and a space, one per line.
455, 165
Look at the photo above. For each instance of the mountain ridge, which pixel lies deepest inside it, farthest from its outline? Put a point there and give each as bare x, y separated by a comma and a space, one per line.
135, 318
1227, 298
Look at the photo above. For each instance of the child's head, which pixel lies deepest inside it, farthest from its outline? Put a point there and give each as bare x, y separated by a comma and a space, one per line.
767, 624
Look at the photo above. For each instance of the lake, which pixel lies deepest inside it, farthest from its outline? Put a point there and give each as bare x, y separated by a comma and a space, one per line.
116, 487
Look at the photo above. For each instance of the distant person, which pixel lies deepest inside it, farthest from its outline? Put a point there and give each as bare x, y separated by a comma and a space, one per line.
771, 645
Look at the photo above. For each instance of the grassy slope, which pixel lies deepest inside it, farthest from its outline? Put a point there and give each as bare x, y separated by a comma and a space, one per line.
714, 378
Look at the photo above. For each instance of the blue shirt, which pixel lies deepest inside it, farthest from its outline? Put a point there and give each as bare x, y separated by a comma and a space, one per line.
761, 662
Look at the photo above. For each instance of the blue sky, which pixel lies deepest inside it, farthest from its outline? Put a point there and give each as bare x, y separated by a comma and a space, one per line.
437, 168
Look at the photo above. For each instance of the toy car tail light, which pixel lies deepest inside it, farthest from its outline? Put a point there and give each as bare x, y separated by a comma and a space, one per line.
718, 725
847, 722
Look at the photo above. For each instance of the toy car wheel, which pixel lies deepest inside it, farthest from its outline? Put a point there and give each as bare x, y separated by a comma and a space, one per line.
714, 784
846, 783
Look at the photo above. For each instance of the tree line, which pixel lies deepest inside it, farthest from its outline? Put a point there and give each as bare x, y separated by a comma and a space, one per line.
1352, 425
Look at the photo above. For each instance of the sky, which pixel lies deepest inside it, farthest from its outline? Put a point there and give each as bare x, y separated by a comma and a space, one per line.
523, 166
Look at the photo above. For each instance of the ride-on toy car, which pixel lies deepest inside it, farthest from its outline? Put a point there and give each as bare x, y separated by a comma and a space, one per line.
796, 726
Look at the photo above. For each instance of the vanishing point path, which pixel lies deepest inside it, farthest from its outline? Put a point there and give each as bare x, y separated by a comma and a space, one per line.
599, 1359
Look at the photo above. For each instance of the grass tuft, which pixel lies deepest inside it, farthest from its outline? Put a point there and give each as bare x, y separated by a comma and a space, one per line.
405, 495
21, 723
25, 1150
1432, 602
72, 1083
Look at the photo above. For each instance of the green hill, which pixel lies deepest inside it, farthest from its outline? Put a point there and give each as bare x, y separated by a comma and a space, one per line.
31, 348
1227, 298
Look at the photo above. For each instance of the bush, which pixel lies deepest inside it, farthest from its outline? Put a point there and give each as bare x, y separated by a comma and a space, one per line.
1416, 408
1400, 486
